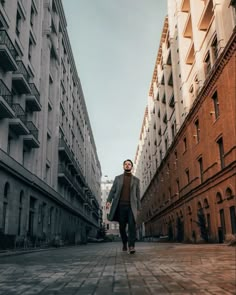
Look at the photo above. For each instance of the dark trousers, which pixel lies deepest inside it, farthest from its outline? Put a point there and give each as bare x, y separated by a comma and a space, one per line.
126, 217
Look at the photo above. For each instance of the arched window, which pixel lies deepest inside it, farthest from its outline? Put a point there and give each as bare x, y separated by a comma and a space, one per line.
189, 210
20, 211
229, 193
5, 203
199, 205
205, 203
219, 198
6, 190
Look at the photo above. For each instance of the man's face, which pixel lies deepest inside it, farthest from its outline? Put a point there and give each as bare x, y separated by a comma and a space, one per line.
127, 166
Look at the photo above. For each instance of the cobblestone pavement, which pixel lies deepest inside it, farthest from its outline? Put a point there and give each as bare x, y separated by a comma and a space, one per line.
102, 269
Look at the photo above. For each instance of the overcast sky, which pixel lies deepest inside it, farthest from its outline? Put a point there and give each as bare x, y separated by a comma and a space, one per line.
114, 43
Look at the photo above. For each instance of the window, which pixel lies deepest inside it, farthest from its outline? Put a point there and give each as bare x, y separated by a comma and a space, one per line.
30, 49
173, 131
222, 221
187, 175
164, 98
165, 118
200, 169
197, 133
5, 203
20, 211
214, 49
229, 193
209, 223
9, 144
216, 105
32, 16
177, 185
185, 144
18, 23
50, 215
207, 63
221, 152
233, 4
233, 219
166, 144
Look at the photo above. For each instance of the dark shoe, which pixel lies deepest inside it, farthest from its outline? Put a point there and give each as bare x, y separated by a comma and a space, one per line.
124, 247
131, 250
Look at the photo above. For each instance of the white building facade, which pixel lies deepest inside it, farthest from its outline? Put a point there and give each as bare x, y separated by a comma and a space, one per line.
50, 173
198, 37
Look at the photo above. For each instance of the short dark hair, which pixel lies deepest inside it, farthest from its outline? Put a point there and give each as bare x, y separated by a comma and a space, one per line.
128, 160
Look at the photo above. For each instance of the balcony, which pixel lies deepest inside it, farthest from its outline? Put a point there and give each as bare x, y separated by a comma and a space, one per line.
54, 50
170, 80
206, 16
7, 52
168, 61
190, 57
64, 150
188, 31
33, 99
20, 79
5, 102
64, 174
172, 101
17, 124
31, 140
185, 6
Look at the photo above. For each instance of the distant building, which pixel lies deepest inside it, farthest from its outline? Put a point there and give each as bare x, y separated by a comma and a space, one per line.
112, 228
50, 173
185, 158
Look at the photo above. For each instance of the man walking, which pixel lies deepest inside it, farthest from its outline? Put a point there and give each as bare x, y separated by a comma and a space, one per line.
124, 204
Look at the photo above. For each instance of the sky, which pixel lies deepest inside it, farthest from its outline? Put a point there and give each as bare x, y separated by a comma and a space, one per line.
114, 44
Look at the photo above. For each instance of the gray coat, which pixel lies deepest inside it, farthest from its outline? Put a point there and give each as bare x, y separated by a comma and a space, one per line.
114, 196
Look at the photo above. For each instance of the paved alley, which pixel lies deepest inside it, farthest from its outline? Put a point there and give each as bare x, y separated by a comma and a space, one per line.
102, 269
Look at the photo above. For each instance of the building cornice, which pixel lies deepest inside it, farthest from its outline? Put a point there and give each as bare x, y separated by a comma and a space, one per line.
159, 54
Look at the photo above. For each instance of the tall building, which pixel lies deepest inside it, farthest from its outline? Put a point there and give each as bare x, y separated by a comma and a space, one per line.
186, 156
50, 173
112, 228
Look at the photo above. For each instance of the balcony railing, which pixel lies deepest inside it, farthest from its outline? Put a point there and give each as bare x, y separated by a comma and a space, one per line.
31, 139
5, 40
7, 52
5, 101
5, 93
63, 147
63, 169
19, 112
33, 99
18, 124
20, 79
32, 129
22, 70
35, 91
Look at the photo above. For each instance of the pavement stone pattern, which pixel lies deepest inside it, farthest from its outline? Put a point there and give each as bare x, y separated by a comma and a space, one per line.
103, 269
